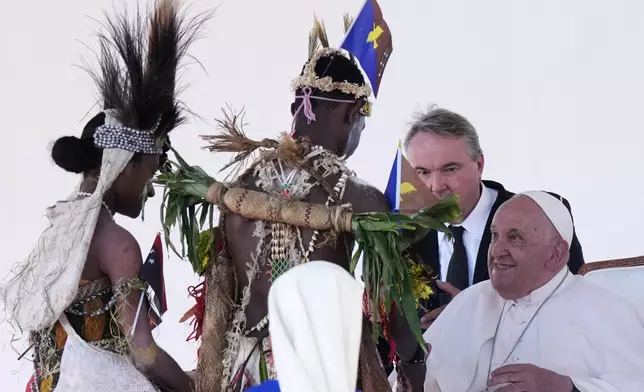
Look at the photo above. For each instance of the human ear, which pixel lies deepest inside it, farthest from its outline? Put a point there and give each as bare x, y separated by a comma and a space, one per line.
353, 113
559, 255
481, 163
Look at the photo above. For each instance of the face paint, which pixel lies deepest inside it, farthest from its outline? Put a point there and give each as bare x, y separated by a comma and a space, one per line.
354, 137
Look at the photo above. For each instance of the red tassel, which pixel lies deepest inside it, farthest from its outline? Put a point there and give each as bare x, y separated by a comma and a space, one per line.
383, 320
382, 311
366, 309
196, 312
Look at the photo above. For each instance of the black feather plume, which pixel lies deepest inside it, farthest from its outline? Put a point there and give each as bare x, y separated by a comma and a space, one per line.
138, 65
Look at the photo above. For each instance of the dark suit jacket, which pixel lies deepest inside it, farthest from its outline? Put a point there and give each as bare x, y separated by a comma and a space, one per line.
426, 251
427, 248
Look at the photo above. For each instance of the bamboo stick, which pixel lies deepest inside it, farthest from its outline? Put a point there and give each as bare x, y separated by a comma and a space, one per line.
263, 206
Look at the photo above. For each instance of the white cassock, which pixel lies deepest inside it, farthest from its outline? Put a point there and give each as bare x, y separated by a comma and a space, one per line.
583, 332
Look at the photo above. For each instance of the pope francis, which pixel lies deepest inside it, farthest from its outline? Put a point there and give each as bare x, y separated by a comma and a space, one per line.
535, 327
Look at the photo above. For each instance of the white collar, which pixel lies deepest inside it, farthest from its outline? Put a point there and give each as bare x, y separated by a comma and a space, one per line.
475, 222
539, 295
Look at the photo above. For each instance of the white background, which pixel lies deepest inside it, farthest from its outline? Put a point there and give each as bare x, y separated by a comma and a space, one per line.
553, 87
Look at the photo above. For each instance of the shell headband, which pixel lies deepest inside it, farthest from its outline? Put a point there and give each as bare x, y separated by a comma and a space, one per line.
112, 134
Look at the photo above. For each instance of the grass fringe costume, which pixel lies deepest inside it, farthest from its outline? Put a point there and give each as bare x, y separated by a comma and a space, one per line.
285, 170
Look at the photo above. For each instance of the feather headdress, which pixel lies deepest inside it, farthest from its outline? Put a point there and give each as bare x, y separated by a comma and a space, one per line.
137, 75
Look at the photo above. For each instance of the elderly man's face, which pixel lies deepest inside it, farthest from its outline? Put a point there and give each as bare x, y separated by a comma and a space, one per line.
525, 251
445, 167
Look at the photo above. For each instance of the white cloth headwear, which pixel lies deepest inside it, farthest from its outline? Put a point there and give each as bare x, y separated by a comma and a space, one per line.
45, 284
315, 312
556, 211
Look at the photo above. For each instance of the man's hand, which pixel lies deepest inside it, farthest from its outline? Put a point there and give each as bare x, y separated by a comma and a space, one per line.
411, 376
528, 378
430, 317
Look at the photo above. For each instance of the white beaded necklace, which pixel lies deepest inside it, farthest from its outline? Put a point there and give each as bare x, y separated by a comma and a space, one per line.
338, 190
102, 202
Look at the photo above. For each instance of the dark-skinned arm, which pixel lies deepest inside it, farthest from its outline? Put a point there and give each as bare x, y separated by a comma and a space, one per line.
408, 350
124, 261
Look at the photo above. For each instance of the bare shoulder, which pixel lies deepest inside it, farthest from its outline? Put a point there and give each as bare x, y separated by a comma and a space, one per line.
120, 253
365, 197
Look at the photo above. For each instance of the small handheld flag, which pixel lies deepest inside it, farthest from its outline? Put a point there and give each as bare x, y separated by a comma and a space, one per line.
406, 192
369, 40
392, 192
152, 274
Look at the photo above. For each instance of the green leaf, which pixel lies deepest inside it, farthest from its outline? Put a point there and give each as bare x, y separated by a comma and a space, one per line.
384, 240
408, 307
355, 259
263, 370
204, 215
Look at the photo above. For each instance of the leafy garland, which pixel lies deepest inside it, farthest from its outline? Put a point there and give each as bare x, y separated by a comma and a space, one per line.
183, 205
384, 240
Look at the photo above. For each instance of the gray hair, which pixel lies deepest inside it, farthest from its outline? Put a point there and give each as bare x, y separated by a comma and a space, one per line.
442, 122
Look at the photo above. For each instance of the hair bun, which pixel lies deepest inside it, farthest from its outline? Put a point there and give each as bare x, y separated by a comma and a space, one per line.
76, 155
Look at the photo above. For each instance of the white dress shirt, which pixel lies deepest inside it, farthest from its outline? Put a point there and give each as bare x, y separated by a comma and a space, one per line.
474, 226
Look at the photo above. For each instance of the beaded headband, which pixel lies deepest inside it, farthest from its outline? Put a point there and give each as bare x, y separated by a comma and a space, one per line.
115, 135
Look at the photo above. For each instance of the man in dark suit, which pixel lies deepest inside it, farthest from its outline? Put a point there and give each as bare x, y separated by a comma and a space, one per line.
444, 148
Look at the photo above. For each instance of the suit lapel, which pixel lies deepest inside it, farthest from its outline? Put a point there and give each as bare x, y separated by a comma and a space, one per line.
480, 270
427, 251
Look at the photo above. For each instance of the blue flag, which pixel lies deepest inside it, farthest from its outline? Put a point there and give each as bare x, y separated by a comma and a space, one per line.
406, 192
369, 40
392, 192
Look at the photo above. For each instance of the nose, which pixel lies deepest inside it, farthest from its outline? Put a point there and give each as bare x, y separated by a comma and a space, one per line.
436, 183
497, 249
150, 190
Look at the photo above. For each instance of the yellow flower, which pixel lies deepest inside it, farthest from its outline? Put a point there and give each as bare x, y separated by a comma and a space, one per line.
419, 284
204, 247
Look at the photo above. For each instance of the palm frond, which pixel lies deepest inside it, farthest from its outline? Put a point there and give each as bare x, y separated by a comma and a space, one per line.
232, 139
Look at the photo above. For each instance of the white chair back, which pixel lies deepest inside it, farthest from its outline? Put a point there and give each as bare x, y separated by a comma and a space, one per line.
624, 277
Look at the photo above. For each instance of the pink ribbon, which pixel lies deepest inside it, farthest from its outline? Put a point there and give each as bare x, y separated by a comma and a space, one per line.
308, 108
